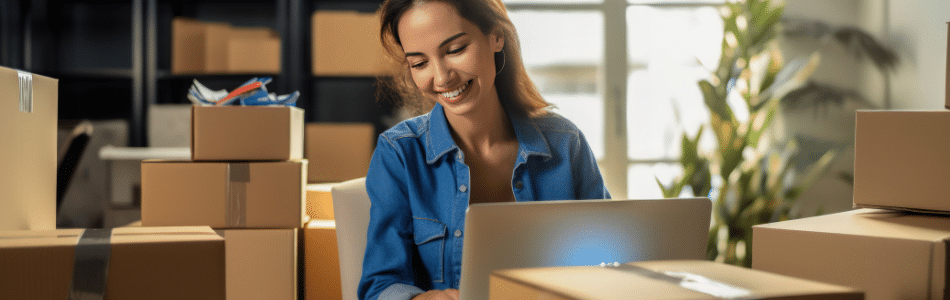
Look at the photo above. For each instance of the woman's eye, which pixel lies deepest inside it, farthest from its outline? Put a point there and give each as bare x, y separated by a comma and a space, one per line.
457, 50
418, 65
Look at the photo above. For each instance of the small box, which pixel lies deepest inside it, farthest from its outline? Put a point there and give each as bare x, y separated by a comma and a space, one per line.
346, 43
321, 261
887, 254
137, 263
29, 106
253, 50
261, 263
339, 151
320, 201
199, 47
901, 160
224, 194
246, 133
682, 279
169, 125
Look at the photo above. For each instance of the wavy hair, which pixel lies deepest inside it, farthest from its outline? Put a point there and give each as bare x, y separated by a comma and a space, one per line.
516, 91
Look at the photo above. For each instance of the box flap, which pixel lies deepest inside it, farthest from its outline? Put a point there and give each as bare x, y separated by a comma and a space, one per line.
873, 222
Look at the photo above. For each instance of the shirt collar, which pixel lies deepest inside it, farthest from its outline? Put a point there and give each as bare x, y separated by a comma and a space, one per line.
439, 140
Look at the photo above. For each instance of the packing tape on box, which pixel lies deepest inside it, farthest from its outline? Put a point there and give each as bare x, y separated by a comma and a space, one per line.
690, 281
26, 91
239, 174
91, 268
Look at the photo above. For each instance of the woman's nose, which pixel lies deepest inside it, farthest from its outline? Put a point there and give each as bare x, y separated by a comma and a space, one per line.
443, 74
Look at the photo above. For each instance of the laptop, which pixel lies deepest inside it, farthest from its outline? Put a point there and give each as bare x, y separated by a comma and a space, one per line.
578, 233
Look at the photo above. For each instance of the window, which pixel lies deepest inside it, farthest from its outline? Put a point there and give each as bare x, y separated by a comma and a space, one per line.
632, 116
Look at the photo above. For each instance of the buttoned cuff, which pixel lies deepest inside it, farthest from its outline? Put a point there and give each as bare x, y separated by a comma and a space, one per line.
400, 291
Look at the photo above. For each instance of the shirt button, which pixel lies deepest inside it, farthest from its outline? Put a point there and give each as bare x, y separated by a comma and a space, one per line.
463, 188
458, 233
519, 185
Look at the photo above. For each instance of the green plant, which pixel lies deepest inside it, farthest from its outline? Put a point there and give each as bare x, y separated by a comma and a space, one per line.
749, 172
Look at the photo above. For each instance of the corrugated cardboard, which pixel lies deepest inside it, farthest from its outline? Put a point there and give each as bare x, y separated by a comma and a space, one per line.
339, 151
145, 263
253, 55
28, 152
216, 36
887, 254
346, 43
320, 201
261, 263
221, 194
321, 261
246, 133
644, 281
902, 160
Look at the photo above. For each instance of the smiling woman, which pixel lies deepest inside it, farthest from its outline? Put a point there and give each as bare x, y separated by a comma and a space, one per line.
486, 137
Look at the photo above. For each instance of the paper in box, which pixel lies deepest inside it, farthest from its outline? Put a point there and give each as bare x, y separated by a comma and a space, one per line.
139, 263
321, 261
902, 160
261, 263
224, 194
887, 254
339, 151
28, 121
682, 279
246, 133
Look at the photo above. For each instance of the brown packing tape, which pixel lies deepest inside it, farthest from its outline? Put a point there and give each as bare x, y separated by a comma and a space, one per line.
239, 175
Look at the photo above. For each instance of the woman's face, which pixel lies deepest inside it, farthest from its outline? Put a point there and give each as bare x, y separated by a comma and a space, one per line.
451, 61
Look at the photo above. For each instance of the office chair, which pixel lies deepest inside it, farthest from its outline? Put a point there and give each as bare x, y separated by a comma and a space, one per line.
68, 158
351, 212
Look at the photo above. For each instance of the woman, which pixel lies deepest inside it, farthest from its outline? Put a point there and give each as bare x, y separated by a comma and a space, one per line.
487, 138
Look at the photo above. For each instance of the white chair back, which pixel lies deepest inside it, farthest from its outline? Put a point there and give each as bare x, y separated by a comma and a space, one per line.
351, 211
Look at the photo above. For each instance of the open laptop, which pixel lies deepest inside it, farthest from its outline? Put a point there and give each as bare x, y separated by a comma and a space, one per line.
578, 233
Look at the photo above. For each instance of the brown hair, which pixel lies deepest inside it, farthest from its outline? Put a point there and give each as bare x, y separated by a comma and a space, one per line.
516, 91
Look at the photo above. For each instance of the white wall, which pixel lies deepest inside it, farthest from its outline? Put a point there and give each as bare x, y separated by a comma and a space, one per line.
918, 29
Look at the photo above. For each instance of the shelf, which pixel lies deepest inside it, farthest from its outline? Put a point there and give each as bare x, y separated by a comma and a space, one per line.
94, 73
165, 74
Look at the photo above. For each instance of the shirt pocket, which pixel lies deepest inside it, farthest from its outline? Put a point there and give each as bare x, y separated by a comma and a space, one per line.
429, 236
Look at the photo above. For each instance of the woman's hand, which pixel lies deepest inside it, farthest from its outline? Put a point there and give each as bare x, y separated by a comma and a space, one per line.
448, 294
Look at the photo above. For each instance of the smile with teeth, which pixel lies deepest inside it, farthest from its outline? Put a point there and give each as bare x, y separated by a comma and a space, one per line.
454, 94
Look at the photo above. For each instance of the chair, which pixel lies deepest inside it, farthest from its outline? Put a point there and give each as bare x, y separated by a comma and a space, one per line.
351, 212
68, 159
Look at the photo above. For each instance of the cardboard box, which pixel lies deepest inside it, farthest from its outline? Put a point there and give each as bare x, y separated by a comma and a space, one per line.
947, 86
658, 280
901, 160
141, 263
169, 125
261, 263
339, 151
223, 195
887, 254
321, 261
188, 48
346, 43
29, 106
320, 201
246, 133
253, 50
125, 170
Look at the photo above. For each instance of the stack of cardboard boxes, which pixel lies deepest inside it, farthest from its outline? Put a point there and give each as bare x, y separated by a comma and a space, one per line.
246, 179
212, 47
896, 244
39, 262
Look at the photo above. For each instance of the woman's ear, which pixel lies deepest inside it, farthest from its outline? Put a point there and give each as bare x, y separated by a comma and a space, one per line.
497, 40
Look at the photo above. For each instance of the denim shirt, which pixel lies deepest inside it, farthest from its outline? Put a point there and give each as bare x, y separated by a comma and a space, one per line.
418, 185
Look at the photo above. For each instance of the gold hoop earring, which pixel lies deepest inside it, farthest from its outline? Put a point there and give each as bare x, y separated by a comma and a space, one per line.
503, 58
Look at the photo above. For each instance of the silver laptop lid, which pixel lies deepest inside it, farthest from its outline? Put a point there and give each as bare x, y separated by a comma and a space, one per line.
578, 233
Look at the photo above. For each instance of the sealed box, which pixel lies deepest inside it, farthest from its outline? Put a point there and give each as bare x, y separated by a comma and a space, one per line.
320, 201
224, 194
346, 43
338, 151
29, 106
901, 160
125, 169
261, 263
246, 133
137, 263
682, 279
253, 50
887, 254
321, 261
